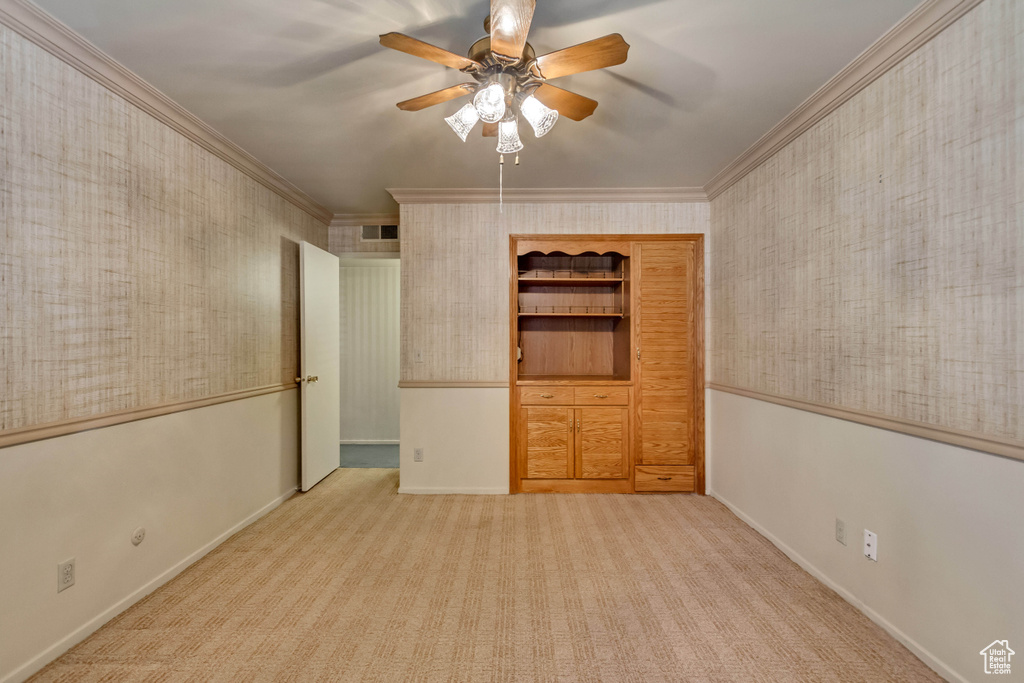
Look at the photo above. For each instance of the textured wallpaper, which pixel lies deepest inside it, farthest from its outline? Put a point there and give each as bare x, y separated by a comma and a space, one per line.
455, 275
137, 269
877, 262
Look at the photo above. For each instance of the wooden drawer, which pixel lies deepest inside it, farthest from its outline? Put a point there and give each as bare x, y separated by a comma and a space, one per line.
539, 396
601, 396
663, 478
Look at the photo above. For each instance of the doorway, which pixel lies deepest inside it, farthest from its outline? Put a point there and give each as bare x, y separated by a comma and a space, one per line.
369, 312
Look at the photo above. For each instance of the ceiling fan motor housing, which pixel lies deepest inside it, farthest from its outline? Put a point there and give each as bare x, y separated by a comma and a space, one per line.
514, 77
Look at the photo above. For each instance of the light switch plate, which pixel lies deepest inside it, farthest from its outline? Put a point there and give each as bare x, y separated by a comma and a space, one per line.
871, 545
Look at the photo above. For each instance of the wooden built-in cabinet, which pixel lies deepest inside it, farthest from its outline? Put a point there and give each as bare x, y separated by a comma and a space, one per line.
607, 363
578, 434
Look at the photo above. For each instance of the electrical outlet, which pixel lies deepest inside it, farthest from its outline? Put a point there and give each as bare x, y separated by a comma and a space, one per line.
138, 536
840, 531
871, 545
417, 455
65, 574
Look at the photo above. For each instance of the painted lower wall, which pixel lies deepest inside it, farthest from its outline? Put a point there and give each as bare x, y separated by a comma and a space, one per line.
464, 435
950, 539
191, 479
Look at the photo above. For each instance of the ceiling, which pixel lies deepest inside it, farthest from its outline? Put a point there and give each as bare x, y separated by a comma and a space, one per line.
304, 86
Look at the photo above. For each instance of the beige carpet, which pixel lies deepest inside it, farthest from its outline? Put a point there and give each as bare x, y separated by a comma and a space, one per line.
352, 582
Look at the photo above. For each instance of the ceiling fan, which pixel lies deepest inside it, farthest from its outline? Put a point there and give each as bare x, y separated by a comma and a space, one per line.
508, 78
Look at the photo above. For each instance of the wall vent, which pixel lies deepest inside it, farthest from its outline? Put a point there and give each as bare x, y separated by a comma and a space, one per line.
380, 233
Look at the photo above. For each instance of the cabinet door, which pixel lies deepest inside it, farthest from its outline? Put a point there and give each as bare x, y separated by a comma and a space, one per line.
546, 443
665, 338
602, 443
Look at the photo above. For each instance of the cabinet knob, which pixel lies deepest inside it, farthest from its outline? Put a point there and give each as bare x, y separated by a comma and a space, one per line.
578, 425
664, 478
547, 395
638, 353
600, 395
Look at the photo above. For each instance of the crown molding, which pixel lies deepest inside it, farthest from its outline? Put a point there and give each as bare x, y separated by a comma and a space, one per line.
48, 33
475, 195
925, 22
348, 220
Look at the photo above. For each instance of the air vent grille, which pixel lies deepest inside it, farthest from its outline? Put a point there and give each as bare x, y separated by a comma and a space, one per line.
380, 233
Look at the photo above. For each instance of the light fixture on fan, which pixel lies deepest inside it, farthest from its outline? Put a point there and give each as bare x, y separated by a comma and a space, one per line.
463, 120
510, 80
508, 135
541, 118
489, 102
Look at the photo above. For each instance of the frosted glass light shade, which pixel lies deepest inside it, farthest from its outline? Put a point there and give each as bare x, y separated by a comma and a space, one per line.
541, 118
508, 136
463, 120
490, 103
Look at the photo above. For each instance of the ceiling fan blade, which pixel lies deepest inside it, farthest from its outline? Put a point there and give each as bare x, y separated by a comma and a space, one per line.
490, 130
593, 54
569, 104
417, 48
424, 101
510, 22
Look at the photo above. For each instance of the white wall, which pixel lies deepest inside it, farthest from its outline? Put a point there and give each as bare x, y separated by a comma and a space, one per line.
369, 350
948, 580
464, 435
190, 478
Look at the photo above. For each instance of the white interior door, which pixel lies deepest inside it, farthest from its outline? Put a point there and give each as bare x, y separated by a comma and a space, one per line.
320, 335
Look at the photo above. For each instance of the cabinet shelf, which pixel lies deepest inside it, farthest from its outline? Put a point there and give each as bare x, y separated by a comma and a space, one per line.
528, 314
570, 281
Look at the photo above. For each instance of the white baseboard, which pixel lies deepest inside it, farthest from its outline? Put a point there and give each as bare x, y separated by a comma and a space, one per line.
924, 655
364, 442
51, 653
470, 490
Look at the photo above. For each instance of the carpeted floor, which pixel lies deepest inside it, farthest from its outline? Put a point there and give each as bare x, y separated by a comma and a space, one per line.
351, 582
368, 455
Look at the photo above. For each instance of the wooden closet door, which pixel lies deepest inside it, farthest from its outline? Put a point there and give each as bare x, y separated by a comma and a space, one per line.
546, 443
602, 448
665, 342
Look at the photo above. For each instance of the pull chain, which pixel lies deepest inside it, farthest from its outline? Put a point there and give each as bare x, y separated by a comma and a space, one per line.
501, 182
